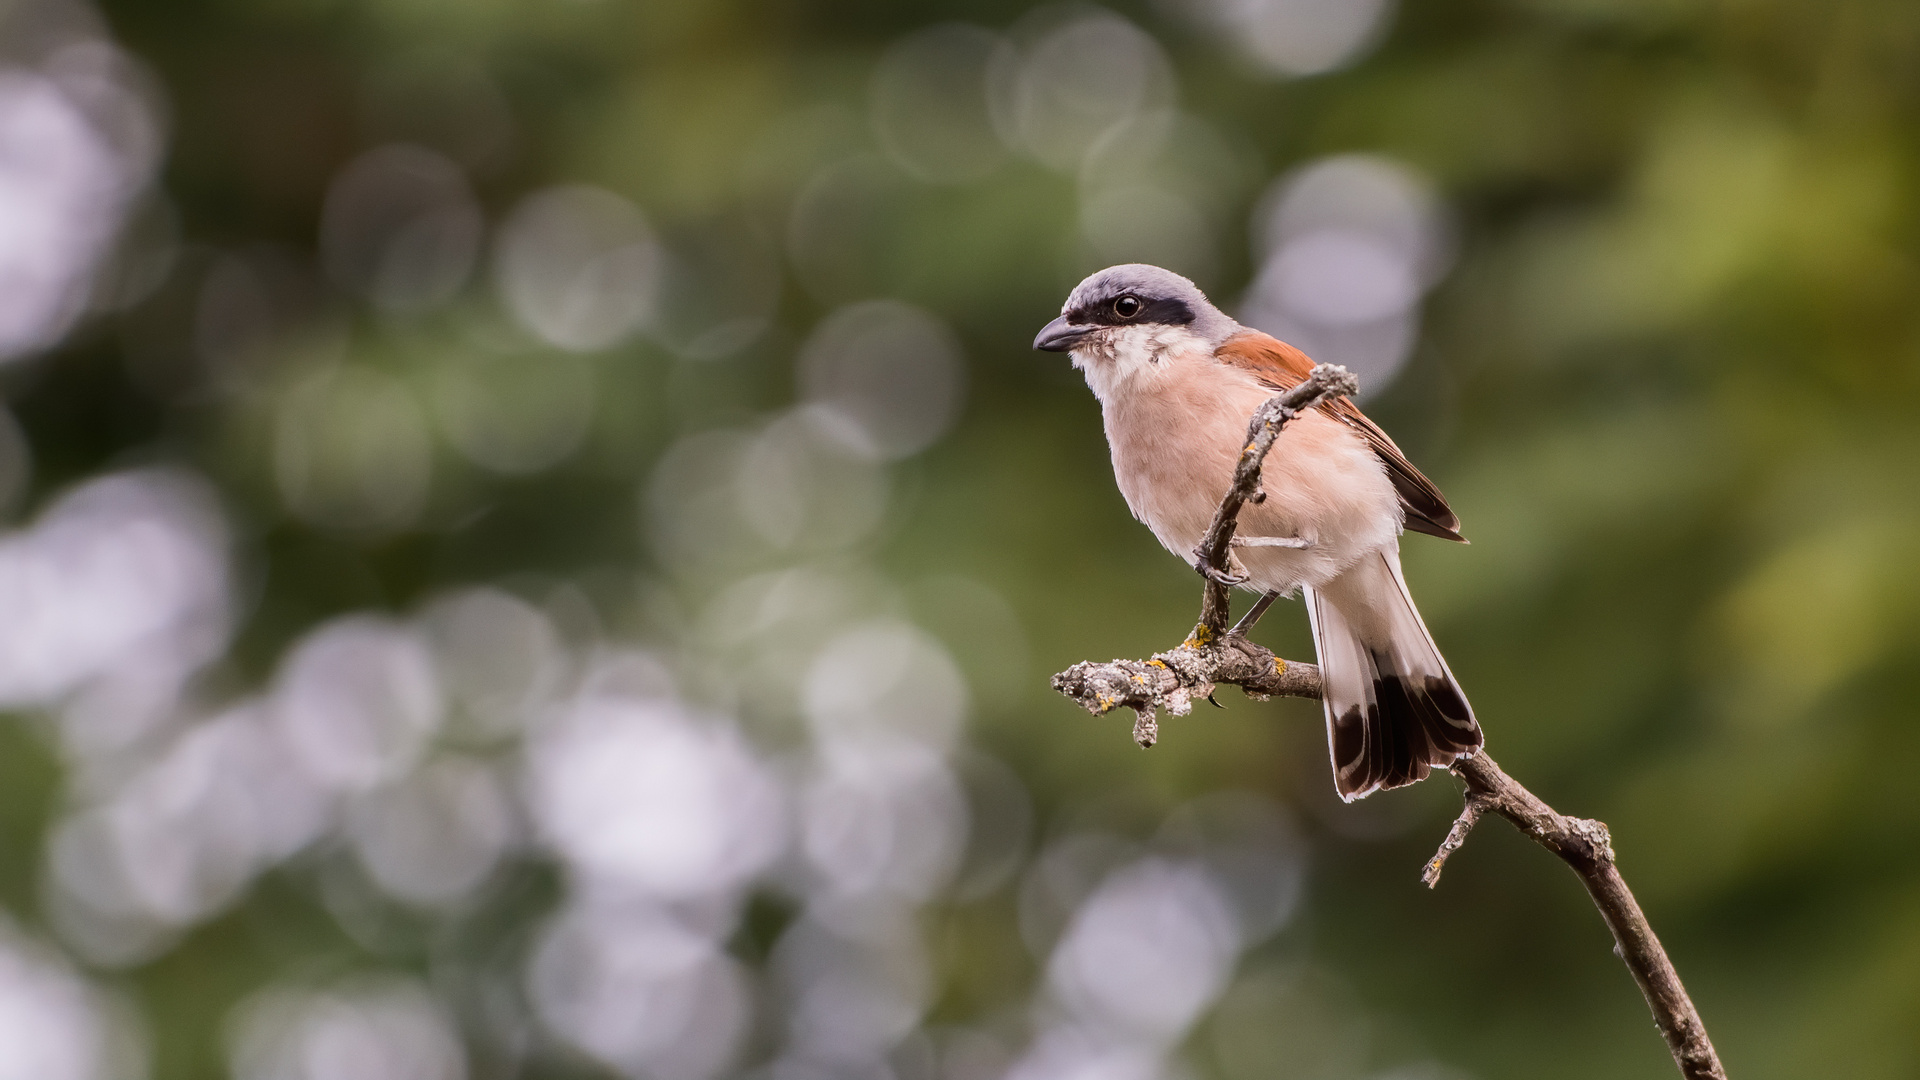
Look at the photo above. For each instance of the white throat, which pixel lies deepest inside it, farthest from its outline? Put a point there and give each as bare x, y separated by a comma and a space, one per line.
1124, 360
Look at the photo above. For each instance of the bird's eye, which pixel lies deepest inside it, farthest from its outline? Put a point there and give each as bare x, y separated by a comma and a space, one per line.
1127, 306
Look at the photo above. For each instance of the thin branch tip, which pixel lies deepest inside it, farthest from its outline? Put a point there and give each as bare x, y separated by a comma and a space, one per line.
1456, 838
1336, 379
1146, 728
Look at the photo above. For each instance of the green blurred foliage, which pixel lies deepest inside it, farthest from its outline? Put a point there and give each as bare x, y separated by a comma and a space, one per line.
1671, 384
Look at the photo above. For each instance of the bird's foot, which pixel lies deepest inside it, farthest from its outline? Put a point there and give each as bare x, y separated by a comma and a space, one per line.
1219, 577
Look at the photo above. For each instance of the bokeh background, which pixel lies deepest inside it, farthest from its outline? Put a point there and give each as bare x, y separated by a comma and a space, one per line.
534, 540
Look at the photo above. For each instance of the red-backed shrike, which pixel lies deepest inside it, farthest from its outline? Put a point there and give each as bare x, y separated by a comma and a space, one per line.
1177, 381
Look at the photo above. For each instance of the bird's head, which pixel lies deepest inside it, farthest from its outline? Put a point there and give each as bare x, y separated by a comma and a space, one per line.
1134, 312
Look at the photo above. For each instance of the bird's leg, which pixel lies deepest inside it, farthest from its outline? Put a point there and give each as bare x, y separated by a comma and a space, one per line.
1295, 542
1253, 614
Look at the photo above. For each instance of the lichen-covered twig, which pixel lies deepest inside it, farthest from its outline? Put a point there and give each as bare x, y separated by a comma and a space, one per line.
1171, 680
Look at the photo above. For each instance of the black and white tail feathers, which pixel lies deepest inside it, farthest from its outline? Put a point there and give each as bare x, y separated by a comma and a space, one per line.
1394, 711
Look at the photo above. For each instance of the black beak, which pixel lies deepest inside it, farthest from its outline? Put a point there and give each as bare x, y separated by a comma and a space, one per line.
1059, 335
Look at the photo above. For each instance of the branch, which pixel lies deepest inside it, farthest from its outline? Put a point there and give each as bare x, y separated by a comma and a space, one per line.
1171, 680
1585, 845
1323, 382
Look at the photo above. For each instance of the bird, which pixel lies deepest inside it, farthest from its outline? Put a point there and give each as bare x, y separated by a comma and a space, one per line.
1177, 380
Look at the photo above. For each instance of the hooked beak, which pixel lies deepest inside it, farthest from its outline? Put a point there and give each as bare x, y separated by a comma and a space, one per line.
1060, 335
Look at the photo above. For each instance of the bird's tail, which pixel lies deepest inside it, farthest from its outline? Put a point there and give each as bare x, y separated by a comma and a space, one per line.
1393, 709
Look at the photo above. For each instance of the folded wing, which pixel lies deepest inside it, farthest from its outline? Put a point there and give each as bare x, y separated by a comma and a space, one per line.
1281, 366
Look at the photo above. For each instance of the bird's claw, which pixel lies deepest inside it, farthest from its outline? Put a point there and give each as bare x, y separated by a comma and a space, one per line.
1218, 576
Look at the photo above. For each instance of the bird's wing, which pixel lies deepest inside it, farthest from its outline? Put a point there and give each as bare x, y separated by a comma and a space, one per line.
1281, 366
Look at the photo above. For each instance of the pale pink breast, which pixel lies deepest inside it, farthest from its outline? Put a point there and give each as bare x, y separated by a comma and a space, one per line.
1175, 434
